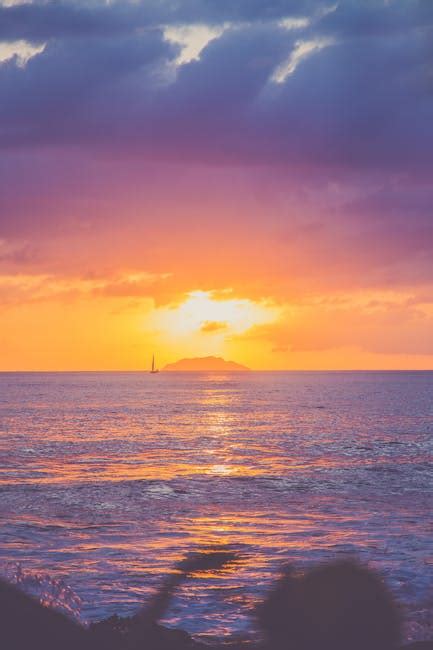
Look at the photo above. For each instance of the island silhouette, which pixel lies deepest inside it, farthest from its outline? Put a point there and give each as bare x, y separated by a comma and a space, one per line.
205, 364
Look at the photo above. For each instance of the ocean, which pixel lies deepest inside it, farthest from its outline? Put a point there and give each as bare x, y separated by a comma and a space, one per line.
107, 479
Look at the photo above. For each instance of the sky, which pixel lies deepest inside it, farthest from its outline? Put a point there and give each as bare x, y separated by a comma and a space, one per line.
239, 178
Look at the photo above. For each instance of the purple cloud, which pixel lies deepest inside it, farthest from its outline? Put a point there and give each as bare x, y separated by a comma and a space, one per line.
104, 115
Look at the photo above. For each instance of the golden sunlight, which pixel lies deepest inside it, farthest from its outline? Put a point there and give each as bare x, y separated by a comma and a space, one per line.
204, 323
202, 313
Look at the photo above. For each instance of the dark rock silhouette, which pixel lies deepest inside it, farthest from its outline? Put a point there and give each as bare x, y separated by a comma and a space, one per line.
27, 625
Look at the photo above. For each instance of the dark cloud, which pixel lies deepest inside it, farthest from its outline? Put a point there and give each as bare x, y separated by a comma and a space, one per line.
53, 99
355, 113
372, 18
39, 22
355, 103
46, 20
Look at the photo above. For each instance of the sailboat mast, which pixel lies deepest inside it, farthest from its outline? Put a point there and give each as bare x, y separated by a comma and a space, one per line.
153, 362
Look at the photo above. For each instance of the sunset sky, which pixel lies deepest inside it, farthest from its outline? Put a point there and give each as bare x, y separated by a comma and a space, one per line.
244, 178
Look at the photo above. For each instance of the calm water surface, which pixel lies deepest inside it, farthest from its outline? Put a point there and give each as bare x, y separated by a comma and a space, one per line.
107, 479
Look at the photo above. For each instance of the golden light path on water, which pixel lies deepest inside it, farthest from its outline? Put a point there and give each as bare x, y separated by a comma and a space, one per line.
109, 479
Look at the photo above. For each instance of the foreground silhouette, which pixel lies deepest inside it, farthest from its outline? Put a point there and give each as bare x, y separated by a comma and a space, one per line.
25, 624
339, 606
334, 607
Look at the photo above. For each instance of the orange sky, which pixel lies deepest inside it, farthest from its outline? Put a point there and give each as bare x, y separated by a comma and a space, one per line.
229, 262
78, 325
247, 180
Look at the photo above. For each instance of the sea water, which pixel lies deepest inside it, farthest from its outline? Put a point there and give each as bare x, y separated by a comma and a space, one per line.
108, 479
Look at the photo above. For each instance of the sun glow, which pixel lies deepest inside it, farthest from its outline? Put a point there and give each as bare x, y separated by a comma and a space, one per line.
206, 323
204, 314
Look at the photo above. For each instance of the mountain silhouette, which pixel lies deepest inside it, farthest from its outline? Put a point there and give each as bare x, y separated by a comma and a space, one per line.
206, 364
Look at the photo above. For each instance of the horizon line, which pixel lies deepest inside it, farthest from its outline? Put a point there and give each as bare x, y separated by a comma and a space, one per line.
146, 371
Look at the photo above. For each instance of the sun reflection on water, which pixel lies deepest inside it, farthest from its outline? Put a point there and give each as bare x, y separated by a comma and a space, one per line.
109, 481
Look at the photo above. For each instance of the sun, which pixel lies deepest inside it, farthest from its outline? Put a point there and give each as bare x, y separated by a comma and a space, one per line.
203, 314
207, 323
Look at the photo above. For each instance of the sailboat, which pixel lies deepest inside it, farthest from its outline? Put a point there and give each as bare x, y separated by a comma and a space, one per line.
154, 370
